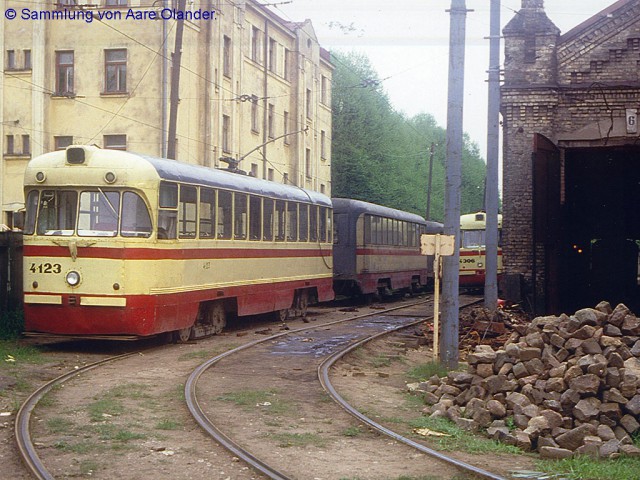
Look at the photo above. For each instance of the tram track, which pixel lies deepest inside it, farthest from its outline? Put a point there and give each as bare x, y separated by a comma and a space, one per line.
344, 346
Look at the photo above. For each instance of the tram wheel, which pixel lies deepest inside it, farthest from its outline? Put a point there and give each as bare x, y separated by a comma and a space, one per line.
183, 335
302, 304
281, 315
216, 317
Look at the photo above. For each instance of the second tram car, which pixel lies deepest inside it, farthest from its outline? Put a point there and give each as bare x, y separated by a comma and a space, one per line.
473, 249
377, 249
119, 245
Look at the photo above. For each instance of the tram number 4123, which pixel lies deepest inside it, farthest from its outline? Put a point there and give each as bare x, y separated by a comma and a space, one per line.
46, 268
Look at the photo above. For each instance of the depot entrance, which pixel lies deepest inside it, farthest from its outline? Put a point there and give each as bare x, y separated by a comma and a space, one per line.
598, 221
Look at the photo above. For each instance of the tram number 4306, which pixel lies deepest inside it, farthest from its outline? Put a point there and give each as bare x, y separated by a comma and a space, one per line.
45, 268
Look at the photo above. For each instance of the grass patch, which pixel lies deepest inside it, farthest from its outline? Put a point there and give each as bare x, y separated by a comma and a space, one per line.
59, 425
13, 353
102, 409
87, 467
425, 371
168, 424
266, 400
205, 354
352, 432
134, 391
80, 448
623, 468
286, 440
380, 361
461, 440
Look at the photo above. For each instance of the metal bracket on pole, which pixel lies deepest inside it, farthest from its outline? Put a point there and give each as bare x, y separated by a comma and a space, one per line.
438, 245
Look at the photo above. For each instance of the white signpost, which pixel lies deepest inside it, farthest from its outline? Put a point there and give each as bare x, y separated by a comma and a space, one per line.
438, 245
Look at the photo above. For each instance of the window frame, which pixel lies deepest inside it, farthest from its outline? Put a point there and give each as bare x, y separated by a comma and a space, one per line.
119, 68
65, 87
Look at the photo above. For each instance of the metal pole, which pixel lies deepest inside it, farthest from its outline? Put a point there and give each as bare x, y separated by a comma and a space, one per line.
175, 85
450, 284
432, 150
493, 147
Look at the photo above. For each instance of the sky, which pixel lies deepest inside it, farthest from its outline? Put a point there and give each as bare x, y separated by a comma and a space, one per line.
407, 42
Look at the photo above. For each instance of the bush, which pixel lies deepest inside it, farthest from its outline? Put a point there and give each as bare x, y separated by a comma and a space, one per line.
11, 325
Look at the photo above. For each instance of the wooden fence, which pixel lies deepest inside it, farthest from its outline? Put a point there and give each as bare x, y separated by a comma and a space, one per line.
10, 271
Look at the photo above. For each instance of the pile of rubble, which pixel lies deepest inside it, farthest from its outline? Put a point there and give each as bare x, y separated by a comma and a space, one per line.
560, 385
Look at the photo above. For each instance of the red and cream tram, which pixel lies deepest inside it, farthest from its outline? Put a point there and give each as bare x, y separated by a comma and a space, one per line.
119, 245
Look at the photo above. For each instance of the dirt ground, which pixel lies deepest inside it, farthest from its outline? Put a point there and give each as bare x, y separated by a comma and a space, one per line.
129, 420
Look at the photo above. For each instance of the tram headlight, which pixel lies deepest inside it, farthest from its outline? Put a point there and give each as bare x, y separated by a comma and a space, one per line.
73, 278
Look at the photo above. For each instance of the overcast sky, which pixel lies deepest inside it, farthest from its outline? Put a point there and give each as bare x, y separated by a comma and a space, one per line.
407, 42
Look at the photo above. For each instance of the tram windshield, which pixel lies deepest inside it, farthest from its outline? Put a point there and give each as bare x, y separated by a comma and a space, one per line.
473, 238
88, 213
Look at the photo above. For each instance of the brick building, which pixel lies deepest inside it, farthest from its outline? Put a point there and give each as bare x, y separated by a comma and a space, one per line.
569, 103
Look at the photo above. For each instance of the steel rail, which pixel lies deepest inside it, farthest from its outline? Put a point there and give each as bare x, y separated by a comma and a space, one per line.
206, 424
323, 376
23, 437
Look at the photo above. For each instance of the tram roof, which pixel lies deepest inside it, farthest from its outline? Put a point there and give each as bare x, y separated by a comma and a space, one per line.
173, 170
359, 207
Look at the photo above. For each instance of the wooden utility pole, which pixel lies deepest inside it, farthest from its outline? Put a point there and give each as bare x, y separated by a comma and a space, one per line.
174, 97
493, 149
451, 264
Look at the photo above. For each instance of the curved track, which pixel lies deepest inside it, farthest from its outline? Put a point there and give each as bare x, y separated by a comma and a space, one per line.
344, 345
23, 437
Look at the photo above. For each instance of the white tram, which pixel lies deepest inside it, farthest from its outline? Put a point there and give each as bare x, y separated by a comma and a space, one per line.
120, 245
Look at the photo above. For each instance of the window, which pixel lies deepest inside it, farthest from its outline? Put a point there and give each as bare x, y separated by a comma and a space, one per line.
115, 67
225, 207
226, 133
307, 160
187, 212
98, 214
255, 44
207, 212
116, 3
226, 56
273, 55
11, 59
115, 142
270, 174
323, 144
27, 59
10, 145
136, 221
267, 219
26, 145
309, 113
324, 96
168, 214
64, 73
323, 223
255, 217
32, 211
303, 223
57, 212
287, 64
254, 170
313, 223
255, 125
270, 120
62, 142
66, 3
279, 224
240, 216
286, 128
292, 222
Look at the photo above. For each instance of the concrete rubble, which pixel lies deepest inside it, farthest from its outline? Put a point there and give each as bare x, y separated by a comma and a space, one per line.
561, 385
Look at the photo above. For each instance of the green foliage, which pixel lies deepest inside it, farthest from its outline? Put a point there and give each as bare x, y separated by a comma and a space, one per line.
425, 371
11, 325
381, 156
581, 467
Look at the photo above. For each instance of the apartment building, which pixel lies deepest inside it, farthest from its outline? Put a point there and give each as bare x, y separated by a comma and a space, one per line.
253, 88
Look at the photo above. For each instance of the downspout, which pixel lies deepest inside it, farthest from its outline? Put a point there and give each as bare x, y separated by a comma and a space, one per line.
165, 80
265, 100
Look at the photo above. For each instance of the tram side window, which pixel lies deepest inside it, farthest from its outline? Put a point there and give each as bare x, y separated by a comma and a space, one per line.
267, 219
292, 222
168, 213
367, 230
303, 223
255, 217
187, 211
136, 221
323, 223
57, 212
98, 214
279, 224
329, 225
313, 223
240, 216
207, 212
32, 211
225, 207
